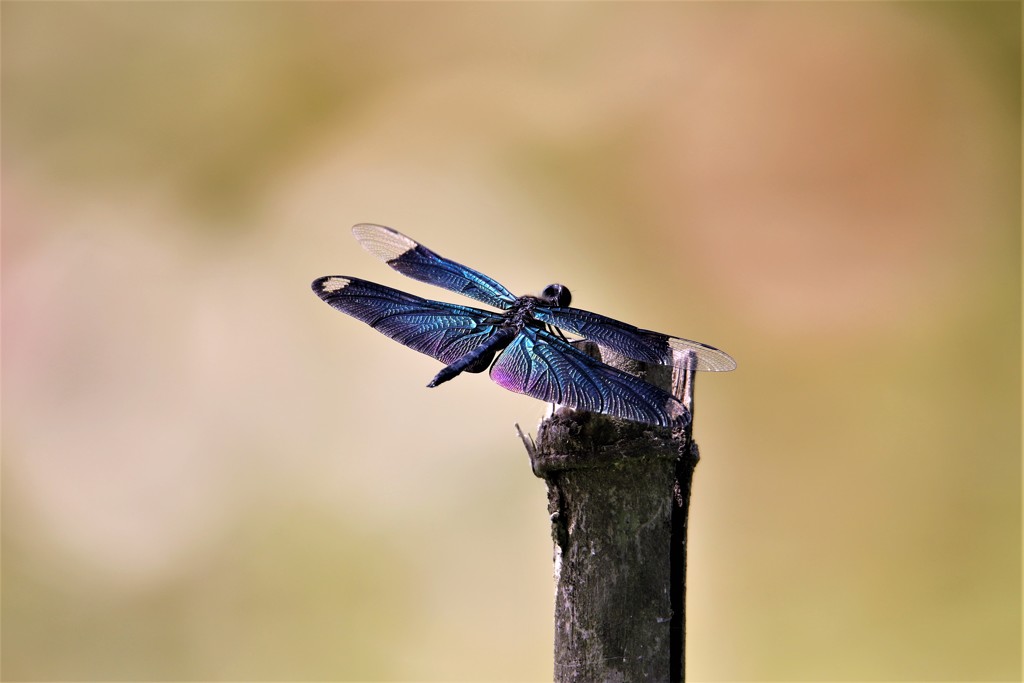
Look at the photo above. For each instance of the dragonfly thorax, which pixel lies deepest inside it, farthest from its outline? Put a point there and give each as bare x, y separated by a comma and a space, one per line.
520, 313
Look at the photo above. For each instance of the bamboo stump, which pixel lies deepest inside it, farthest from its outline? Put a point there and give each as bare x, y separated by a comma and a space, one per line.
618, 494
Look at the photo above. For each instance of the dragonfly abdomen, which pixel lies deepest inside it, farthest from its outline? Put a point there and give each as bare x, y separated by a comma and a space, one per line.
478, 359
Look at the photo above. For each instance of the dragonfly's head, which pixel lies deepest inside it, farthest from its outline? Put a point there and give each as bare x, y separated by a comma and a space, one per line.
556, 295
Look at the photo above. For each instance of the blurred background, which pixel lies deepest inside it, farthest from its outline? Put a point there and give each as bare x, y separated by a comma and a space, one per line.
210, 475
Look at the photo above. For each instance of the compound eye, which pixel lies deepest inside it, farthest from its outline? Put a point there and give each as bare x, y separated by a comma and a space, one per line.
556, 295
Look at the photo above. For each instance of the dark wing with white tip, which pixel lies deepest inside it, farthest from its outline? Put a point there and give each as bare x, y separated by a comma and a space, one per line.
445, 331
540, 365
643, 345
414, 260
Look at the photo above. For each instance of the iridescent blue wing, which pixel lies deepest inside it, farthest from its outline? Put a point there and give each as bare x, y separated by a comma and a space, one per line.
414, 260
643, 345
539, 364
445, 331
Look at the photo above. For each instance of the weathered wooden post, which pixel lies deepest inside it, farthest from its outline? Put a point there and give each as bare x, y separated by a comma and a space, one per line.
618, 496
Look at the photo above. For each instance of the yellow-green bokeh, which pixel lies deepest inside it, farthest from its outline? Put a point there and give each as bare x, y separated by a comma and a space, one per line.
210, 475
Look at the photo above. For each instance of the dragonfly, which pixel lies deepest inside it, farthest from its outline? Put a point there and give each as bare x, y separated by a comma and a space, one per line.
524, 342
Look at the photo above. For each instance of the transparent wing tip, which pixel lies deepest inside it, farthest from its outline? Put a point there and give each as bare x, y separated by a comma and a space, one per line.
383, 242
709, 359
